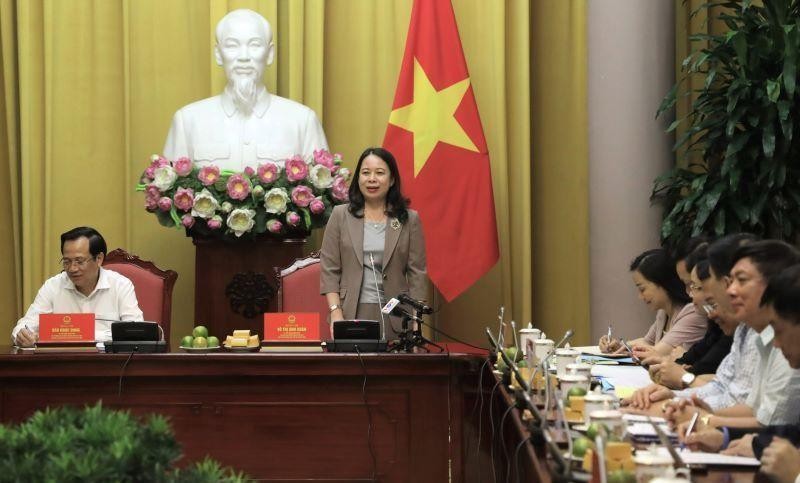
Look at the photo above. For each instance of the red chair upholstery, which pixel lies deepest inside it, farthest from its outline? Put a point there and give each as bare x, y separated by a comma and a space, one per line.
298, 291
153, 286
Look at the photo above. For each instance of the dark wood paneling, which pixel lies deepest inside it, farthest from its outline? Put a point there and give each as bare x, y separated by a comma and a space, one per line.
273, 416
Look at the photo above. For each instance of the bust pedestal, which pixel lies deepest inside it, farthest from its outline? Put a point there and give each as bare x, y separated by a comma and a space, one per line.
235, 281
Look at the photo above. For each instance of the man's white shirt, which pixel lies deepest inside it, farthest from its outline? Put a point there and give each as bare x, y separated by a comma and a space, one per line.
113, 298
775, 397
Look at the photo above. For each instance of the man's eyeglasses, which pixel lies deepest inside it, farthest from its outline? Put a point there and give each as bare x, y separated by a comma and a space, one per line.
79, 262
710, 308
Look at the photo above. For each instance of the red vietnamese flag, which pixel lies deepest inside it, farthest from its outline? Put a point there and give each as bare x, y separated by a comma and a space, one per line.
435, 133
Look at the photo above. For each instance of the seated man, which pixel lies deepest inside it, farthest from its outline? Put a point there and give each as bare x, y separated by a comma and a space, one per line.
82, 287
734, 377
775, 397
775, 445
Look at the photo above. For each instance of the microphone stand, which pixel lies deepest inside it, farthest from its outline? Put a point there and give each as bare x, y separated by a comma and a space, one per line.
410, 338
539, 433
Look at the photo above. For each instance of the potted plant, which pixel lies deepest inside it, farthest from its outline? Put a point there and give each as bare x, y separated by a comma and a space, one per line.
96, 444
742, 124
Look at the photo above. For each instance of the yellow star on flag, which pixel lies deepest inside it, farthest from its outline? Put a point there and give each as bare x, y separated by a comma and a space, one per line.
431, 117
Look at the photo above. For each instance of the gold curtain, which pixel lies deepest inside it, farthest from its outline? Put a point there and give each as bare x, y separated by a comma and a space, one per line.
90, 88
560, 185
10, 237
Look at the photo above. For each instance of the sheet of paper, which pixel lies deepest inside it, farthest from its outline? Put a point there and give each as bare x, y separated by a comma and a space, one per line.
593, 350
622, 376
647, 429
589, 359
641, 418
624, 392
712, 459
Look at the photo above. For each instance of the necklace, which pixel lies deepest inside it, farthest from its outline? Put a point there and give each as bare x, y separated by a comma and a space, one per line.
375, 222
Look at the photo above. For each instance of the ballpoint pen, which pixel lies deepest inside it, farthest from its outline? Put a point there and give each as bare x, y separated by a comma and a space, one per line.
690, 428
608, 334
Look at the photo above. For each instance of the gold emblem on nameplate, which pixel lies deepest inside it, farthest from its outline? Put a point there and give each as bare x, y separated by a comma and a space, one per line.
396, 224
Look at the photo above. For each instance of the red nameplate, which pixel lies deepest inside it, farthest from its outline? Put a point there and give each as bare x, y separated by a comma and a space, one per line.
71, 328
291, 327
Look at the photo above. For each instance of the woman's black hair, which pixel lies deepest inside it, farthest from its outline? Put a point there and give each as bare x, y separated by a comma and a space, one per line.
658, 267
783, 293
396, 203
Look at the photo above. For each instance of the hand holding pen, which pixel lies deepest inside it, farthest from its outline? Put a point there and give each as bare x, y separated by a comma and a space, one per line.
608, 344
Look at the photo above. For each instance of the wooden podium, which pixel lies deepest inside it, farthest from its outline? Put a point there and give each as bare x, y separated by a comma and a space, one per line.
235, 282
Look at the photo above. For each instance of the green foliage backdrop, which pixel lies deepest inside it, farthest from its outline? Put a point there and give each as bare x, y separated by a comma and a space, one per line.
742, 126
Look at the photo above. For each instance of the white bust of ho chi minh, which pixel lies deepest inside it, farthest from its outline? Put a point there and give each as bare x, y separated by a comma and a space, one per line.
245, 125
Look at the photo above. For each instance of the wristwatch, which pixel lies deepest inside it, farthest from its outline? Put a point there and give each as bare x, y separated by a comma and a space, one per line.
334, 307
687, 379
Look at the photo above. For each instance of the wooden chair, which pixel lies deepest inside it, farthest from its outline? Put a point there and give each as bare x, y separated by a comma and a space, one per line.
153, 286
298, 290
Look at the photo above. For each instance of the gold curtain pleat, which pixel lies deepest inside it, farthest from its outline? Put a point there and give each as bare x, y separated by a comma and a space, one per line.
10, 237
100, 81
560, 183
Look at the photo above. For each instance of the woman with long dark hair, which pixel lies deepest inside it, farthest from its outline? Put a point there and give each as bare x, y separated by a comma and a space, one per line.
373, 247
677, 324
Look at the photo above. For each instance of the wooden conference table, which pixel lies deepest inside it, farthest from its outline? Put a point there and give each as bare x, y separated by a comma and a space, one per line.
435, 417
281, 416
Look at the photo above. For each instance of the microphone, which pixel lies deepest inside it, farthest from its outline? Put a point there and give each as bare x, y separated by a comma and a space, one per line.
400, 312
378, 293
419, 306
492, 340
390, 305
567, 336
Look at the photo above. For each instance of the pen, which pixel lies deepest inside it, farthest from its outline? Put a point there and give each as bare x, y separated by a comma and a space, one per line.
608, 334
689, 428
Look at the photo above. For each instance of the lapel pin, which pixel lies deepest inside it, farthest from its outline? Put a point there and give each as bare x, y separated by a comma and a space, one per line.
396, 224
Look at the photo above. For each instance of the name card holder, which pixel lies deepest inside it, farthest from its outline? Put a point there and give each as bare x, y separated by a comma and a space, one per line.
66, 332
291, 332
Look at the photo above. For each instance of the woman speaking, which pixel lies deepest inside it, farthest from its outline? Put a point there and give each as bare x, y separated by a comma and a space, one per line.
373, 247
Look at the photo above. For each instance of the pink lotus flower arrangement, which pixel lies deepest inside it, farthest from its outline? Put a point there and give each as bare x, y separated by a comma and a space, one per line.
280, 199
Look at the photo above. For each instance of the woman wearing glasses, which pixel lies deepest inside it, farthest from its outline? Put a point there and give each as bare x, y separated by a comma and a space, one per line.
677, 322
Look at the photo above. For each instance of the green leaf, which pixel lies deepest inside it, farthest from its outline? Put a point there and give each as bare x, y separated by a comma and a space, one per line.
668, 101
784, 108
719, 223
740, 46
260, 220
757, 208
768, 140
737, 143
773, 90
173, 213
707, 205
790, 64
674, 125
741, 211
